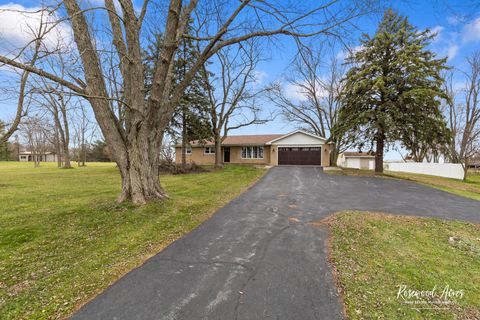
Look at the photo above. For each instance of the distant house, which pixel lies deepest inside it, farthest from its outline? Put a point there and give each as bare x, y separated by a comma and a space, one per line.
357, 160
475, 165
27, 156
294, 148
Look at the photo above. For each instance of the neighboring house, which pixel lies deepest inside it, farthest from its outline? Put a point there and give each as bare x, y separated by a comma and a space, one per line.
357, 160
27, 156
475, 165
297, 148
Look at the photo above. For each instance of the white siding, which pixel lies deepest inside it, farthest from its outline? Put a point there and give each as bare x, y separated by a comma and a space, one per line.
299, 139
352, 163
50, 158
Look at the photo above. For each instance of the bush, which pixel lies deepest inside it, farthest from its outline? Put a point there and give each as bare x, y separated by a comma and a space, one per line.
170, 167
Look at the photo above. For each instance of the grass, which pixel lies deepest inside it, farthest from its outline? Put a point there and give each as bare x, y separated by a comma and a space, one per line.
63, 238
468, 189
375, 254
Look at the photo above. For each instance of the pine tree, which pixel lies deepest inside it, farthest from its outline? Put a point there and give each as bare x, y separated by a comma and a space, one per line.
190, 120
191, 116
4, 147
393, 91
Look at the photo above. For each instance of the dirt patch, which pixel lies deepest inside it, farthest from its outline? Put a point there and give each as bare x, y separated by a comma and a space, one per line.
293, 219
468, 245
17, 288
325, 222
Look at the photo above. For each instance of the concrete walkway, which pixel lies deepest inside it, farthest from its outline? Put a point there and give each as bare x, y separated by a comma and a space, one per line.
250, 261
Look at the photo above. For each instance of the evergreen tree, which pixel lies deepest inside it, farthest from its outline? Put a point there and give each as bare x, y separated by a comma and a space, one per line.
393, 91
190, 120
4, 147
98, 152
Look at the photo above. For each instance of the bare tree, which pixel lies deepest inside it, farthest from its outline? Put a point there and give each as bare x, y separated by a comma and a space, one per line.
83, 133
55, 99
167, 153
136, 145
57, 105
316, 102
38, 134
37, 49
233, 93
463, 114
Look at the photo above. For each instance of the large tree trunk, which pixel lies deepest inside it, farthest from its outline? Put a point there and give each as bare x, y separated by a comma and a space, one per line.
380, 145
140, 171
334, 153
62, 138
36, 159
66, 156
218, 152
58, 148
65, 139
465, 170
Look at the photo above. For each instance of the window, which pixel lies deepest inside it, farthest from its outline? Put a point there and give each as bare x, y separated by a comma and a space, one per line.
189, 150
209, 150
252, 152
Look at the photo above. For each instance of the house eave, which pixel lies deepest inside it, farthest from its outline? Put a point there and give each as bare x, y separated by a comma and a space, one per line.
294, 132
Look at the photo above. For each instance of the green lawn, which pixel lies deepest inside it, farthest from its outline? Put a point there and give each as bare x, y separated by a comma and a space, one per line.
469, 189
374, 254
63, 238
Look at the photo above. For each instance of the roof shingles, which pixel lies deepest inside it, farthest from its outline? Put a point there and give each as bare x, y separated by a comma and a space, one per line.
257, 139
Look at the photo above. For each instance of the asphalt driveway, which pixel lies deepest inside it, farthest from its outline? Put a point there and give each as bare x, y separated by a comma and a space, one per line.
258, 258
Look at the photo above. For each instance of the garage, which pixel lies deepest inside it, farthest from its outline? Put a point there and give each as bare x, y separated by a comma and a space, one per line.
300, 156
299, 148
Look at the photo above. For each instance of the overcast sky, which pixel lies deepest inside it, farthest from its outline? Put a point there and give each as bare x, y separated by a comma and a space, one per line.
457, 24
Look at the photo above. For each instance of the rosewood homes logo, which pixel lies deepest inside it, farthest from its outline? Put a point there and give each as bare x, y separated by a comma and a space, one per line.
436, 298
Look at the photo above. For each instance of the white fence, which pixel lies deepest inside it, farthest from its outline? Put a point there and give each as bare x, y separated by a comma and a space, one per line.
447, 170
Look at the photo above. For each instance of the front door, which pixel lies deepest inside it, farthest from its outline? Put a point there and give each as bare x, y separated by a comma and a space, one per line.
226, 154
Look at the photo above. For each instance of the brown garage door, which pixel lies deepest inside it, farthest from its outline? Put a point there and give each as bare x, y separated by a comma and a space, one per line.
300, 155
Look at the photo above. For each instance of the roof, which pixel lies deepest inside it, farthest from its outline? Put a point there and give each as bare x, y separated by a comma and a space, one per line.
252, 139
350, 154
258, 139
29, 152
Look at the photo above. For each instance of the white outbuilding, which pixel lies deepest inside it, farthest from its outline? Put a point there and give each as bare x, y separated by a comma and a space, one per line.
357, 160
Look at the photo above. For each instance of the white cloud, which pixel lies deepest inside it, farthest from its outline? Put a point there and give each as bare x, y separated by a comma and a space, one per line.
471, 31
18, 25
438, 31
454, 20
297, 92
294, 92
347, 52
452, 51
259, 76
